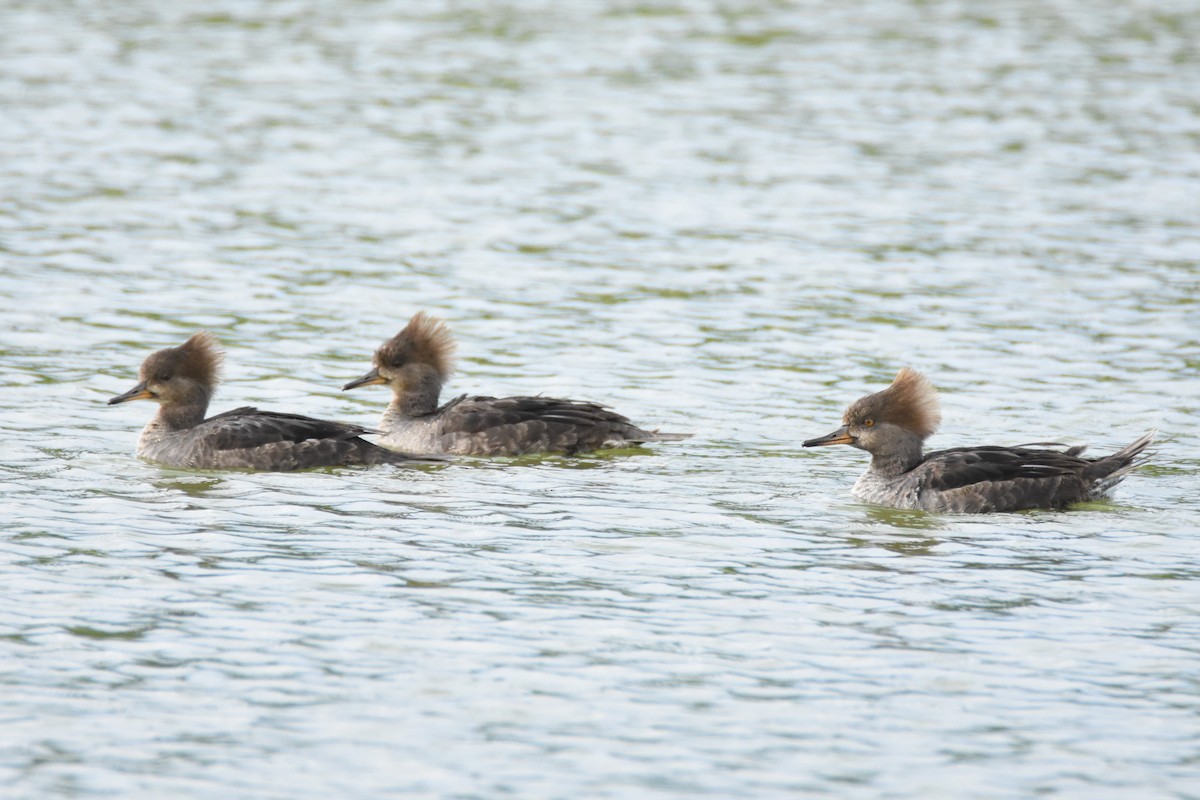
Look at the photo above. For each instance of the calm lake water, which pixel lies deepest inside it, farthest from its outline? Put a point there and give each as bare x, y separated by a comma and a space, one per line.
725, 218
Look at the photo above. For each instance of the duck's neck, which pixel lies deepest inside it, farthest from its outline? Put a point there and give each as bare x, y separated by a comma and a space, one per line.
415, 399
898, 457
178, 416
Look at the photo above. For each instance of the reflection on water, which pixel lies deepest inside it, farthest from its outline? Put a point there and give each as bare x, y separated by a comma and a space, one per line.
904, 518
718, 219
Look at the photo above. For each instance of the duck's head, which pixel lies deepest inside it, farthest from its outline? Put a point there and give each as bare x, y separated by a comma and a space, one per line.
419, 355
188, 373
906, 409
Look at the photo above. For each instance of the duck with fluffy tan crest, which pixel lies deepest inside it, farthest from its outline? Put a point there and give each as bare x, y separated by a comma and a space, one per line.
415, 364
182, 380
892, 426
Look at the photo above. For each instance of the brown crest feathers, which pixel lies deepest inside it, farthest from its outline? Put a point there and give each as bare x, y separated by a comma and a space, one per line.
910, 402
913, 402
199, 358
424, 340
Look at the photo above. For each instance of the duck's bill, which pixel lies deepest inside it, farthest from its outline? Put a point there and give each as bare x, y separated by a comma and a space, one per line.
139, 392
370, 379
840, 436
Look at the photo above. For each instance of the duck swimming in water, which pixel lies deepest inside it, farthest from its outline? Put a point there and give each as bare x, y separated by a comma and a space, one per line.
182, 380
893, 424
416, 362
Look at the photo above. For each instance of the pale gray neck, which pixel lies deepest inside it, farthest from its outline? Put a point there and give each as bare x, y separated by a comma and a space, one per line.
899, 457
184, 414
181, 416
171, 420
416, 399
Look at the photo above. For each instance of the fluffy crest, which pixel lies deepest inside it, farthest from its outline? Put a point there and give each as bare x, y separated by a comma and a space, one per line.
910, 402
424, 340
199, 358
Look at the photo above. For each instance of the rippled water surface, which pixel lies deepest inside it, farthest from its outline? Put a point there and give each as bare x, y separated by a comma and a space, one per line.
725, 218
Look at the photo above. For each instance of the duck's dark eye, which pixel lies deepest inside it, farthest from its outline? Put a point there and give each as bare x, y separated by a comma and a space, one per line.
397, 363
162, 377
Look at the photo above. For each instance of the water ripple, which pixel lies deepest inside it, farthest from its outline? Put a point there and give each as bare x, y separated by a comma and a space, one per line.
725, 220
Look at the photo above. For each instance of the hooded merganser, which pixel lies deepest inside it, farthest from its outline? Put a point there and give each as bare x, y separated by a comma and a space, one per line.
182, 380
418, 360
892, 424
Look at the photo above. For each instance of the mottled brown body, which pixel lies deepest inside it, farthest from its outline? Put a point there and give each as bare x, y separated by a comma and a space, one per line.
415, 364
182, 380
892, 425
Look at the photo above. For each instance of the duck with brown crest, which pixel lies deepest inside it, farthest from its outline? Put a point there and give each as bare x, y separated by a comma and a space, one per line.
418, 360
182, 381
893, 424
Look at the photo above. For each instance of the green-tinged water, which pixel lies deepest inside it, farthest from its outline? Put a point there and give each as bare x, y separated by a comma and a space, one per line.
731, 219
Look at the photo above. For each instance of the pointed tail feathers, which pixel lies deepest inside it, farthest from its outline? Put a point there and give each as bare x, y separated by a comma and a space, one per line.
1108, 471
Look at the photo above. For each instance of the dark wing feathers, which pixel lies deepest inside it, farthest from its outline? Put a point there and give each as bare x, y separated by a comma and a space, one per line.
518, 425
962, 466
1012, 478
247, 427
271, 440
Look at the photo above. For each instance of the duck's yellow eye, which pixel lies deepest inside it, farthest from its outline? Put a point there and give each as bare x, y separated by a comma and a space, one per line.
868, 423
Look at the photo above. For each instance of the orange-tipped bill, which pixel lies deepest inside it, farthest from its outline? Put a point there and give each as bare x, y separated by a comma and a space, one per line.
139, 392
370, 379
840, 436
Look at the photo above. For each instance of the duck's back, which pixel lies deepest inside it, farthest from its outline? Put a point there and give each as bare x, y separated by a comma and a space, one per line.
512, 426
975, 479
247, 438
988, 479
